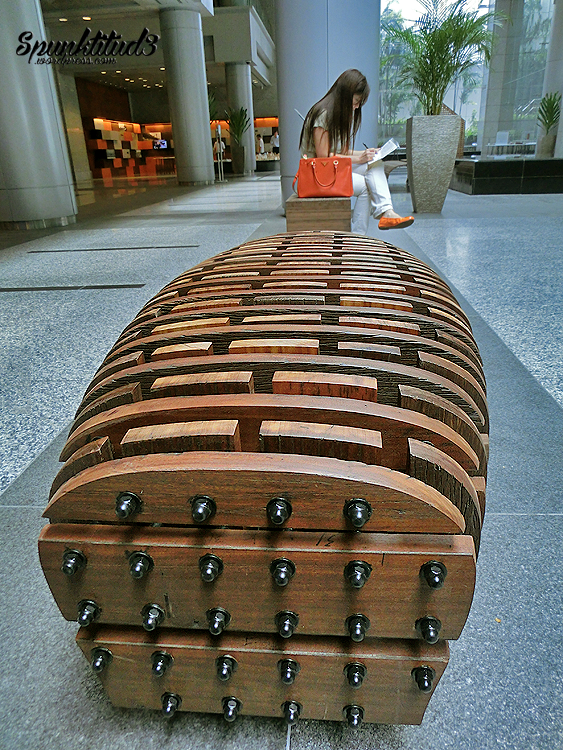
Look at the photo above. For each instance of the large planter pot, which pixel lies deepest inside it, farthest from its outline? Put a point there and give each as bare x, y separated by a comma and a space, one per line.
432, 142
237, 158
546, 146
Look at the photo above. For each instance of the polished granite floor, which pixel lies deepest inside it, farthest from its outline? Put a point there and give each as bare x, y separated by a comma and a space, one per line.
64, 297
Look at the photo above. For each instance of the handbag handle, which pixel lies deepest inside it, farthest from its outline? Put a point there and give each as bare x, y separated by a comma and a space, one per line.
322, 184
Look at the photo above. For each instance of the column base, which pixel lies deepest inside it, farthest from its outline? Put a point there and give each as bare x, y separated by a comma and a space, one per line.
57, 221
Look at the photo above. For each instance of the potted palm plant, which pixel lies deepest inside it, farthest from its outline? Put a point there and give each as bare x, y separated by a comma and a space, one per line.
238, 123
446, 42
549, 113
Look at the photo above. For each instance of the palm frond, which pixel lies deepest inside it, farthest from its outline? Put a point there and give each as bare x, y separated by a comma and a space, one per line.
549, 111
446, 42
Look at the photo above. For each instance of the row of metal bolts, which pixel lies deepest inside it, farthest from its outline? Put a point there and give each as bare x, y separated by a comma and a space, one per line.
286, 622
288, 669
356, 572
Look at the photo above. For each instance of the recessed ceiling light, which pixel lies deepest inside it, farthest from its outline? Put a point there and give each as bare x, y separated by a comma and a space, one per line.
63, 19
86, 18
163, 68
103, 72
118, 71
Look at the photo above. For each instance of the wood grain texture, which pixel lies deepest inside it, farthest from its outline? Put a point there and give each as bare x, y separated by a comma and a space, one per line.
242, 484
310, 439
393, 598
320, 686
338, 385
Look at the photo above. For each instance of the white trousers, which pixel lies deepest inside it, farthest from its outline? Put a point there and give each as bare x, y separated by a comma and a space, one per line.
372, 189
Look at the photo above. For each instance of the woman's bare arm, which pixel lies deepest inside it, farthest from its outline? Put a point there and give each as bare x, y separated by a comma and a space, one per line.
320, 137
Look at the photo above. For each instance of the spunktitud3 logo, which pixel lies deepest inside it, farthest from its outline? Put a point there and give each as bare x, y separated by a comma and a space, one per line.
100, 49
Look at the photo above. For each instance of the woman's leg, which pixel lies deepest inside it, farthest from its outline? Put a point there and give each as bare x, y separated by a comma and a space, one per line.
372, 189
378, 188
360, 216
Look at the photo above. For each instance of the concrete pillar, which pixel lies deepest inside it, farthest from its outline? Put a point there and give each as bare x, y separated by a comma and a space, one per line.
316, 41
36, 187
503, 71
238, 78
182, 45
74, 131
553, 77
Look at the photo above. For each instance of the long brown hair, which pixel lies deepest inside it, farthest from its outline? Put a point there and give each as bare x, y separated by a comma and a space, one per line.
343, 122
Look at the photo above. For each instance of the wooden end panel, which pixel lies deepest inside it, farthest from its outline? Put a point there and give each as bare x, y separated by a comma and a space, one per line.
178, 351
369, 351
394, 596
202, 384
351, 321
338, 385
215, 435
334, 441
320, 687
275, 346
242, 484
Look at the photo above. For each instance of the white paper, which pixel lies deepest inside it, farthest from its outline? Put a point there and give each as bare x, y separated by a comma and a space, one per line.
386, 149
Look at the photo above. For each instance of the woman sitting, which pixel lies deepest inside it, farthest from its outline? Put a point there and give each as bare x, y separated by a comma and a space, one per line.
330, 129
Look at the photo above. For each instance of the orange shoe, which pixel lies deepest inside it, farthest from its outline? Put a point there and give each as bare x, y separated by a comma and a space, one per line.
399, 223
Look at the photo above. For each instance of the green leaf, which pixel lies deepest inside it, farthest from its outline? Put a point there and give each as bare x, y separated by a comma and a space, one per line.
549, 111
444, 44
238, 122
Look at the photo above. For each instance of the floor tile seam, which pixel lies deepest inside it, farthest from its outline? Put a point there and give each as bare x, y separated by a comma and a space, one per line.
267, 216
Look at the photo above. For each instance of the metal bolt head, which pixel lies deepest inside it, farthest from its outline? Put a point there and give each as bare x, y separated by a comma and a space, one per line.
203, 508
231, 708
278, 510
73, 562
127, 504
358, 512
354, 715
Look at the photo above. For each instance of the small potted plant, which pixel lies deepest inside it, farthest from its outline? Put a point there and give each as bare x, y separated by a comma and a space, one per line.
549, 113
447, 41
238, 123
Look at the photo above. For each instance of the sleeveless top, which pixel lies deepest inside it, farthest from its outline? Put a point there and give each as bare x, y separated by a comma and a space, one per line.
308, 148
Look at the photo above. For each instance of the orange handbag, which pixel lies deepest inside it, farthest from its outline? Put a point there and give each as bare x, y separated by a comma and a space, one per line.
321, 177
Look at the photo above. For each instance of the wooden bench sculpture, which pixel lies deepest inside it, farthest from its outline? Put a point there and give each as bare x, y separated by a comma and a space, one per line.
273, 490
